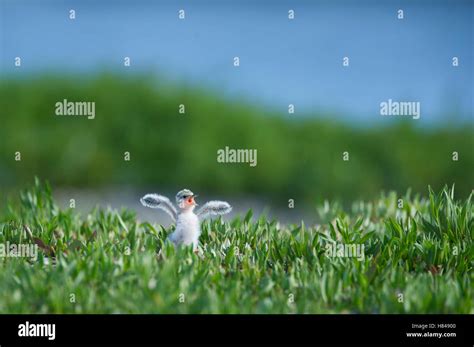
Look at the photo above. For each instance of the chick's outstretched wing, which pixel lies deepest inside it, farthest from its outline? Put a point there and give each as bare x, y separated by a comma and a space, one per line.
161, 202
213, 208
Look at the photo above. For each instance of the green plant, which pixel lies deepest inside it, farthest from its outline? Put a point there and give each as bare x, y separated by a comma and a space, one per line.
417, 258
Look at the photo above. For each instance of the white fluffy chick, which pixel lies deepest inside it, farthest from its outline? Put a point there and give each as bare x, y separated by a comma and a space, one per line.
188, 228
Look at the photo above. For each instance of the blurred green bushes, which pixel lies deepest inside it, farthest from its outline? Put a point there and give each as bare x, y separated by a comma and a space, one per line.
298, 156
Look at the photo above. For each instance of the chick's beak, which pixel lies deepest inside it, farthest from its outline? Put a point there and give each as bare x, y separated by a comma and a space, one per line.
191, 200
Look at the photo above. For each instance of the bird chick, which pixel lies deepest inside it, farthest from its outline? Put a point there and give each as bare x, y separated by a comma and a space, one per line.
188, 227
187, 230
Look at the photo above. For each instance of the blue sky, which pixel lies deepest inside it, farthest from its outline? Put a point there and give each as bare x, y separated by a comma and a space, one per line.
282, 61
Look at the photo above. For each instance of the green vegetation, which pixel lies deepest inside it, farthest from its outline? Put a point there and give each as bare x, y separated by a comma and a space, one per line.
113, 263
299, 156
